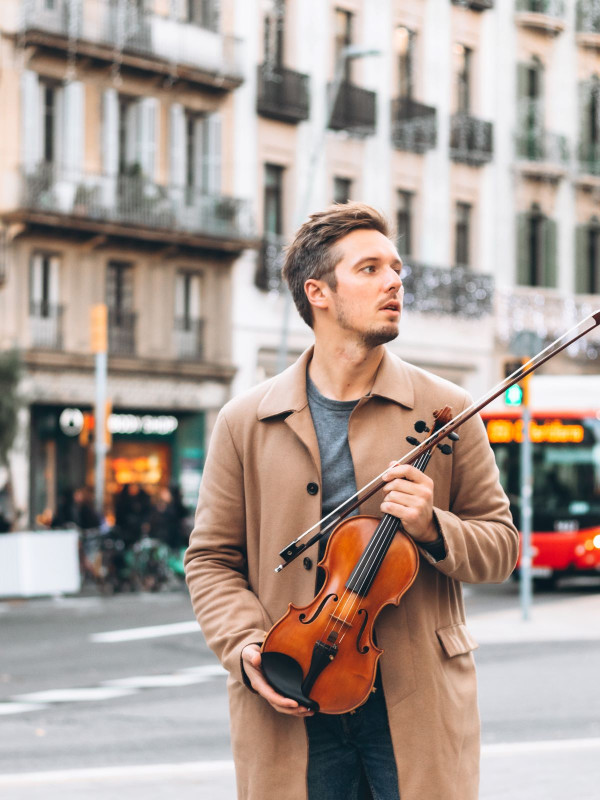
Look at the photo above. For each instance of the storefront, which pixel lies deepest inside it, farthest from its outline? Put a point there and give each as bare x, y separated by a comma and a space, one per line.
145, 448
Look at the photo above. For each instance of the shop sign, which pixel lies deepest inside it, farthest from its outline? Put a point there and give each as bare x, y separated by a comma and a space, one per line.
71, 421
148, 424
552, 431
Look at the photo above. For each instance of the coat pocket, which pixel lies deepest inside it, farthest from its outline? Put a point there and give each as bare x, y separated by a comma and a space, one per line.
456, 640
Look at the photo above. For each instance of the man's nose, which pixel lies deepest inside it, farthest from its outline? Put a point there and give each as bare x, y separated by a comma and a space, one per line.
393, 280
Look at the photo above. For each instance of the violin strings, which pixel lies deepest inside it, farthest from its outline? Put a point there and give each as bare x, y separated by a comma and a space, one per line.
369, 564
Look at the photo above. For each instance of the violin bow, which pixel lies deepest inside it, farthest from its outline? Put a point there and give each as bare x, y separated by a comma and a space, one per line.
294, 548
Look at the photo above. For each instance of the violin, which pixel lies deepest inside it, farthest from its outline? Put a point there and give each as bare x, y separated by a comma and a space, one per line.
323, 655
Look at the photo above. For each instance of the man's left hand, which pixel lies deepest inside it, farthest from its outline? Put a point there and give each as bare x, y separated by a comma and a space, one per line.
408, 495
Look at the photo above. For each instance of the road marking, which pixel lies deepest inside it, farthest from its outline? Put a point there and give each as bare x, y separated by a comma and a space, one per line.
183, 678
19, 708
73, 695
544, 746
149, 632
199, 768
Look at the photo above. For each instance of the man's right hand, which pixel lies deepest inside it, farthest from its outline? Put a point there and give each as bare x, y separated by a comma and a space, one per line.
251, 660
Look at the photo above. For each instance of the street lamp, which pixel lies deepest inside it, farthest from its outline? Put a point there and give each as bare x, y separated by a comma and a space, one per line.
348, 53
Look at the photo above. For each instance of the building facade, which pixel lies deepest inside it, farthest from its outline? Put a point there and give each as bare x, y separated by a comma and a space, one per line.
116, 189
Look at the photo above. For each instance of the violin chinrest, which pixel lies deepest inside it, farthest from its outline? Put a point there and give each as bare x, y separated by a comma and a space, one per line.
284, 674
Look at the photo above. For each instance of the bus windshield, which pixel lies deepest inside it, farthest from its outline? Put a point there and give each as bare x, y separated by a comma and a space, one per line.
566, 477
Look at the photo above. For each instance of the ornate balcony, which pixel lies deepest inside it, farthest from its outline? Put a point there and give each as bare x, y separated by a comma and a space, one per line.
545, 16
471, 140
282, 94
354, 109
452, 291
45, 325
588, 163
131, 206
548, 313
109, 32
475, 5
270, 262
414, 125
587, 23
121, 332
189, 338
541, 154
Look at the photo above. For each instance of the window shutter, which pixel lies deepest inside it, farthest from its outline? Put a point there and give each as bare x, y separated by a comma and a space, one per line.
180, 295
110, 132
212, 154
147, 118
31, 122
523, 267
36, 280
72, 128
53, 283
177, 148
585, 155
200, 148
549, 255
195, 298
581, 260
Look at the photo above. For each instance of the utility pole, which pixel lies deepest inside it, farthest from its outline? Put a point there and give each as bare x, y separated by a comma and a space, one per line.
525, 585
99, 322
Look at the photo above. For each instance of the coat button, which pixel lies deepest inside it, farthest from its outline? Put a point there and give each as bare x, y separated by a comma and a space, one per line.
307, 563
312, 488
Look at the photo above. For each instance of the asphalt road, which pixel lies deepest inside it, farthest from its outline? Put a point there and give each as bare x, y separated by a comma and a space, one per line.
89, 710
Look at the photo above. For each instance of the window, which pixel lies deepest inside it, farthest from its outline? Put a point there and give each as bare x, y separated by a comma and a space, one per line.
342, 190
43, 288
188, 314
119, 287
49, 122
203, 13
273, 35
127, 134
202, 160
404, 222
404, 43
464, 57
587, 274
273, 200
463, 234
536, 242
343, 37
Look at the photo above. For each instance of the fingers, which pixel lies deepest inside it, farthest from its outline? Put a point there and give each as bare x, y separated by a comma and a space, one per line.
284, 705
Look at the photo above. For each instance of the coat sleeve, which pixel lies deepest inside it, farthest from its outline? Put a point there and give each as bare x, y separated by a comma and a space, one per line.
480, 539
229, 613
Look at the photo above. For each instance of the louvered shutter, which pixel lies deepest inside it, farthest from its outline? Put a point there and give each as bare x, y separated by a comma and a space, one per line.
177, 149
581, 259
110, 146
147, 135
550, 233
211, 155
31, 120
72, 134
523, 267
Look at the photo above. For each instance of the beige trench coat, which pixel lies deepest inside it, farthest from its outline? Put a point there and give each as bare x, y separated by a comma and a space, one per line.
254, 501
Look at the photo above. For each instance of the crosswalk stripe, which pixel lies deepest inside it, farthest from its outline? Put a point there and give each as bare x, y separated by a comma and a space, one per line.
147, 632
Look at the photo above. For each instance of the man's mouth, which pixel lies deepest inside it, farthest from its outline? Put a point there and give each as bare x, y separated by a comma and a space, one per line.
393, 305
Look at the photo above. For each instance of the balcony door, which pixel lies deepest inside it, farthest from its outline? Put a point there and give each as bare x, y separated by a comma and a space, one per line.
44, 308
119, 300
188, 314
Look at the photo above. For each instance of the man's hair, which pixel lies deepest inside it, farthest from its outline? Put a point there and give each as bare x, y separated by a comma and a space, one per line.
313, 253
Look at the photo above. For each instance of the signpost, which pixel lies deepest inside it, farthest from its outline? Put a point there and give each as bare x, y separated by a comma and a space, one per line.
100, 348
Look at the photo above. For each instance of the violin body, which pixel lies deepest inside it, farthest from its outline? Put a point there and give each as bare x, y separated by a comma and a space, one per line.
323, 654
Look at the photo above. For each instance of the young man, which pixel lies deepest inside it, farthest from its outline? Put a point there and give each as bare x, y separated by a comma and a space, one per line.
292, 449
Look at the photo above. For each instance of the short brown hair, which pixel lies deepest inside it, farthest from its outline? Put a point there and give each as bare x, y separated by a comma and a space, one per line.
312, 254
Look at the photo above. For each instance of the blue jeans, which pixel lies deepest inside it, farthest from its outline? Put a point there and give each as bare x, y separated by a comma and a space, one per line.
344, 749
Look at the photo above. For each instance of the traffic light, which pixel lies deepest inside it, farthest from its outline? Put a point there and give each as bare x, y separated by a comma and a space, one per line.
517, 394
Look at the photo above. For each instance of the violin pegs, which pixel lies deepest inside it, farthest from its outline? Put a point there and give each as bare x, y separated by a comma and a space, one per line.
454, 436
412, 440
421, 426
445, 448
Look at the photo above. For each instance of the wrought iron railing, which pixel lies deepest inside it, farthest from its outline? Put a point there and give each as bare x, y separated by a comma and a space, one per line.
540, 145
353, 109
471, 140
414, 125
588, 16
450, 291
45, 325
548, 313
125, 27
270, 262
588, 156
282, 94
189, 338
133, 200
475, 5
550, 8
121, 332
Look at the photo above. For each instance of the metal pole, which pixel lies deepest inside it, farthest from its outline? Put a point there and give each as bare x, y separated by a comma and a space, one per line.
526, 511
100, 347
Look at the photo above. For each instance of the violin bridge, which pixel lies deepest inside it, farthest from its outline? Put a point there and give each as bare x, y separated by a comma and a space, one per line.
339, 621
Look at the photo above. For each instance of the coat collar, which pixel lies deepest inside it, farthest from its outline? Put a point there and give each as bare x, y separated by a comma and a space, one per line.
287, 392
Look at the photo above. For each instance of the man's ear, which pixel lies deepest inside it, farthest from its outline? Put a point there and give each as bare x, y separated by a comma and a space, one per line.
317, 293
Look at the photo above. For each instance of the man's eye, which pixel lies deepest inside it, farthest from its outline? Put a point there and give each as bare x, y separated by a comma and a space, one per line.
369, 268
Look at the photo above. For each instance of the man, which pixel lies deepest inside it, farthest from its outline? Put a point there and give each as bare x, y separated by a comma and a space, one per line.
291, 449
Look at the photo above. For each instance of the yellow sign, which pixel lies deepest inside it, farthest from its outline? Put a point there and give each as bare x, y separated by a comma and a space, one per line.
99, 328
502, 431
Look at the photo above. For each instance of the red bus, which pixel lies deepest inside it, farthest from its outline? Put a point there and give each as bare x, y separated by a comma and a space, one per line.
565, 432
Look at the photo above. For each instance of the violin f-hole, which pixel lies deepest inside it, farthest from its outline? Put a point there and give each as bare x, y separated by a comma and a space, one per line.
362, 650
305, 621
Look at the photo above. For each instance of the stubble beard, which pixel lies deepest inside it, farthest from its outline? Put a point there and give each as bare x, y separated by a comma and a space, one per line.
370, 338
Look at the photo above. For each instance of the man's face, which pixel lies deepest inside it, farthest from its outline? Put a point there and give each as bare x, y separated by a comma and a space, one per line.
367, 301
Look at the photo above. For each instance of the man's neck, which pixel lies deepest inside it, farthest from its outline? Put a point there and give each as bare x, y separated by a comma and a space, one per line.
344, 372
